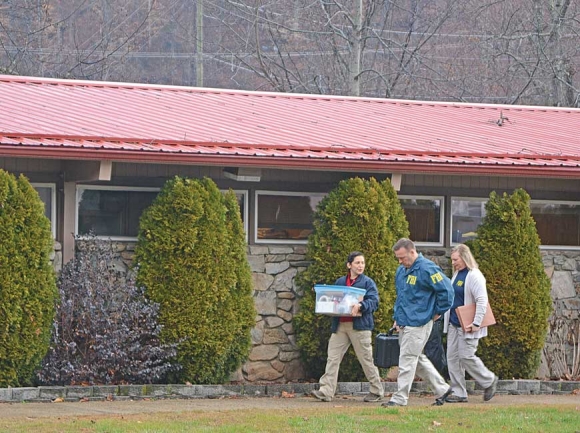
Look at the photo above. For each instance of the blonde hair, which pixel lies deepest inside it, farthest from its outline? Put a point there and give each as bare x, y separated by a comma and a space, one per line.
465, 254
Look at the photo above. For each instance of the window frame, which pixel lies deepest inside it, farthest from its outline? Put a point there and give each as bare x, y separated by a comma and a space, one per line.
52, 187
564, 202
257, 193
441, 217
82, 188
451, 198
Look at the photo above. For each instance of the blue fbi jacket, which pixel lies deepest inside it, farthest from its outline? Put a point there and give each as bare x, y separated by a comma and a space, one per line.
423, 291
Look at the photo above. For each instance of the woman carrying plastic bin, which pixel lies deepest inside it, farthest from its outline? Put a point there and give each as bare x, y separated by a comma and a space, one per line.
355, 330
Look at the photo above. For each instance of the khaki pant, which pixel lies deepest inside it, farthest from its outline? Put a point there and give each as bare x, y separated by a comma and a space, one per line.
413, 361
338, 344
461, 358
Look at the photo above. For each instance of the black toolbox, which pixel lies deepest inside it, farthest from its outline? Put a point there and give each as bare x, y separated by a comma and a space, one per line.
386, 353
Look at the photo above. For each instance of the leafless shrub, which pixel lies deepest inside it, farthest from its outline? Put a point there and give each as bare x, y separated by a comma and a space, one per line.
563, 355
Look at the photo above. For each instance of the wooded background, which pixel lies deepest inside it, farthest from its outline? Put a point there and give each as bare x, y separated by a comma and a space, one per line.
494, 51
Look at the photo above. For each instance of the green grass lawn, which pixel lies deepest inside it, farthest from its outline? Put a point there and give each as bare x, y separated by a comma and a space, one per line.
319, 418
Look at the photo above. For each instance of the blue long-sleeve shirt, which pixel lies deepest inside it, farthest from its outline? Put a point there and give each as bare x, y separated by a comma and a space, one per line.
423, 291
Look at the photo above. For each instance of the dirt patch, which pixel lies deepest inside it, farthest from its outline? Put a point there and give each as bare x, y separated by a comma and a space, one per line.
64, 409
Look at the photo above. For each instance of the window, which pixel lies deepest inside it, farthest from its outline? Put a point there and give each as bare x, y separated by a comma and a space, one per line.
47, 193
285, 217
466, 215
112, 211
558, 223
242, 197
425, 217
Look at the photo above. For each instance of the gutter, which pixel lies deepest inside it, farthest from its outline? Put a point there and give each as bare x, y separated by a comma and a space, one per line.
306, 163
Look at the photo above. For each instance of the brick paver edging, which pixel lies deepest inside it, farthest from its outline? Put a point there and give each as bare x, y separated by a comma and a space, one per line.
134, 392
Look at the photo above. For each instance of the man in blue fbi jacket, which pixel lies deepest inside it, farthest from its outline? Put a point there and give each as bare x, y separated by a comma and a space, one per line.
424, 293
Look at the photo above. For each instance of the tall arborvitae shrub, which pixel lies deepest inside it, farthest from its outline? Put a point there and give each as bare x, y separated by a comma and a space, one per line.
359, 215
508, 253
27, 281
105, 330
191, 257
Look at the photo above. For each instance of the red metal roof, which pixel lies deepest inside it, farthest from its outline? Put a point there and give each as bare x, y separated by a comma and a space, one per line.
41, 117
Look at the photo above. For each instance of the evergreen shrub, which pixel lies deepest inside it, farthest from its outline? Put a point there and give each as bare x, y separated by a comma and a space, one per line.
242, 302
191, 253
507, 249
358, 215
105, 330
27, 281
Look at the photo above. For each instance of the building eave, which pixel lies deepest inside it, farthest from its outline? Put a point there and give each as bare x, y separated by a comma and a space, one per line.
308, 163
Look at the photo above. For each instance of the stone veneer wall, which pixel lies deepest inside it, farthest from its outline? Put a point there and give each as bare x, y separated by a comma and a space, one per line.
275, 357
563, 268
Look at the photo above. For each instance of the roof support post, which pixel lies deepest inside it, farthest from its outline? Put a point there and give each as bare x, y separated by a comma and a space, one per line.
105, 169
69, 212
396, 180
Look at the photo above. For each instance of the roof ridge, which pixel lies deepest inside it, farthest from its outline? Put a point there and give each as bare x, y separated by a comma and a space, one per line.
255, 93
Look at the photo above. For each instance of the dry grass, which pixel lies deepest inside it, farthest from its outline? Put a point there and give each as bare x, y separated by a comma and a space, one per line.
322, 418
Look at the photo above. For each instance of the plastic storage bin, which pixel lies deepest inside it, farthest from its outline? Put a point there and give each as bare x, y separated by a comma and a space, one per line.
337, 300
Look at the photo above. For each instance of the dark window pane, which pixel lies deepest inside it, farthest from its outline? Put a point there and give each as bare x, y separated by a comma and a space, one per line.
557, 224
112, 213
466, 216
286, 217
45, 194
424, 217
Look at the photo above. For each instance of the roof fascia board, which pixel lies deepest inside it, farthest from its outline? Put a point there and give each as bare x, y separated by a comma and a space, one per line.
346, 165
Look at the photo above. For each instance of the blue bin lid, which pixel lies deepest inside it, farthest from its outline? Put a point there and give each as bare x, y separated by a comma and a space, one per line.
343, 289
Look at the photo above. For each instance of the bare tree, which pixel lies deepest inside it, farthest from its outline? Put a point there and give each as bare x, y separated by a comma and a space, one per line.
77, 39
517, 51
22, 25
520, 52
357, 47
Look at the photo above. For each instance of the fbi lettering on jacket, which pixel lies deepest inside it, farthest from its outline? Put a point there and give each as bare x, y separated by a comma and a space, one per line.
436, 278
